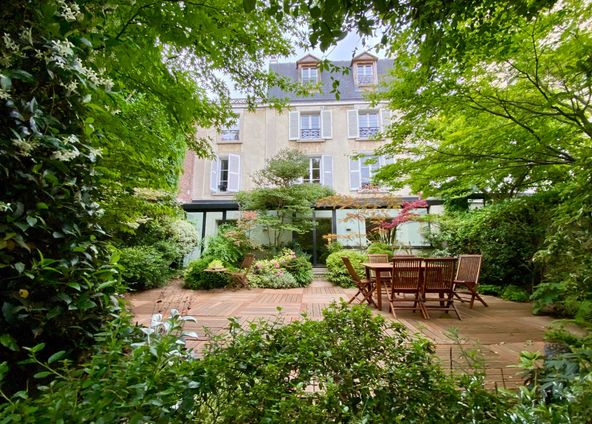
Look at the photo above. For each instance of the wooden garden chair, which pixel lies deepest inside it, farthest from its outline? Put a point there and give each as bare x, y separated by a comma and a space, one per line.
385, 276
438, 276
406, 279
467, 278
239, 278
365, 286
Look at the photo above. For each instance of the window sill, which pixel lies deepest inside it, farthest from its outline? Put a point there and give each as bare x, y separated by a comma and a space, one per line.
229, 142
369, 139
310, 140
223, 193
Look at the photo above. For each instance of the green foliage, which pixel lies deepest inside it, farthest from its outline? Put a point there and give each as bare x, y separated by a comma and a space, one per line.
301, 269
230, 244
378, 247
283, 207
196, 278
315, 370
337, 272
144, 267
507, 234
515, 294
490, 289
283, 170
559, 384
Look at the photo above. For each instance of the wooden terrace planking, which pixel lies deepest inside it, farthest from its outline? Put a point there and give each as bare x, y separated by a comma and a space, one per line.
500, 332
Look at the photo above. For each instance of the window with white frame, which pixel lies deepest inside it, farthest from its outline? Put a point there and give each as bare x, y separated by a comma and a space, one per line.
225, 174
366, 124
362, 170
365, 73
310, 125
314, 171
309, 75
232, 132
320, 171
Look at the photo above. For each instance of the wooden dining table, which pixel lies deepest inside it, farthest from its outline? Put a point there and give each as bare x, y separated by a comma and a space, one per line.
378, 268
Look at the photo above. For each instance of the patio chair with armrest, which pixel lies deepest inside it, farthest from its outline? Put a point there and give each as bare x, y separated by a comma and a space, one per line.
467, 276
438, 276
239, 278
406, 279
365, 286
385, 276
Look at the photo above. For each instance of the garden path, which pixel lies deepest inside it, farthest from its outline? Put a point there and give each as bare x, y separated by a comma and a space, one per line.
500, 332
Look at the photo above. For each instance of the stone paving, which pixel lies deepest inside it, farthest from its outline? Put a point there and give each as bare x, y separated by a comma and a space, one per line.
500, 332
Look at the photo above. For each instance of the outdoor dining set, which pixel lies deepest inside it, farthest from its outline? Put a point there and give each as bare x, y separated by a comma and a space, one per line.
415, 283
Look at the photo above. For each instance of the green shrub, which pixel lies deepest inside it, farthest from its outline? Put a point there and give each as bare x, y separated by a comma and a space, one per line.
378, 247
337, 272
350, 366
515, 294
280, 279
196, 278
229, 245
507, 234
170, 251
144, 267
301, 269
491, 289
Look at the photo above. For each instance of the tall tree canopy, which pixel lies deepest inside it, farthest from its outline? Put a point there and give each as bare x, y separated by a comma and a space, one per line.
98, 101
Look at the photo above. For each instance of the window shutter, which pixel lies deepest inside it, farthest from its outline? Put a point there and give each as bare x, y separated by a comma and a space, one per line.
214, 175
354, 174
294, 126
353, 130
327, 170
326, 124
385, 114
233, 172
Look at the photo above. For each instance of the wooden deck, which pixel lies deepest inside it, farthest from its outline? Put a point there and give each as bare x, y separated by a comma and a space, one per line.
499, 332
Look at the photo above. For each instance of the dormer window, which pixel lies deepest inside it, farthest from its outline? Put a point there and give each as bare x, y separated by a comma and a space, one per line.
365, 73
364, 69
308, 69
309, 75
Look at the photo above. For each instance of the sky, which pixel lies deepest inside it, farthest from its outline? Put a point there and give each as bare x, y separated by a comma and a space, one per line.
344, 50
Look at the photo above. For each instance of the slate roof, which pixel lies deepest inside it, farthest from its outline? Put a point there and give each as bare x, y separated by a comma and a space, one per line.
347, 89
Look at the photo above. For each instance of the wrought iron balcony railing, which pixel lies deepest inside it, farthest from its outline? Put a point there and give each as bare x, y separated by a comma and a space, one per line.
229, 135
368, 132
312, 133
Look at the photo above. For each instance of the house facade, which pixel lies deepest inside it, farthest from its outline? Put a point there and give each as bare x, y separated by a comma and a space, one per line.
339, 136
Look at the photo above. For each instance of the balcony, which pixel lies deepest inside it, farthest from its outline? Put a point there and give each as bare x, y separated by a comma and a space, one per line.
365, 79
310, 134
229, 135
368, 132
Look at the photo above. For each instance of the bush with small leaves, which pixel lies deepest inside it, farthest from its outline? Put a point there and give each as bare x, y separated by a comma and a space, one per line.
196, 277
144, 267
338, 273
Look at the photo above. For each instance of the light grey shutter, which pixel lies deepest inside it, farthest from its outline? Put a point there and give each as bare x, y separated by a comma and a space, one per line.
294, 126
353, 130
385, 115
233, 172
327, 170
214, 175
354, 174
326, 124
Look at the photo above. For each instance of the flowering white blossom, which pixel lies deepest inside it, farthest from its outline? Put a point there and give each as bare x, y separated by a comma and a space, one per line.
69, 12
71, 139
10, 44
27, 35
70, 87
4, 95
25, 147
66, 155
63, 47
